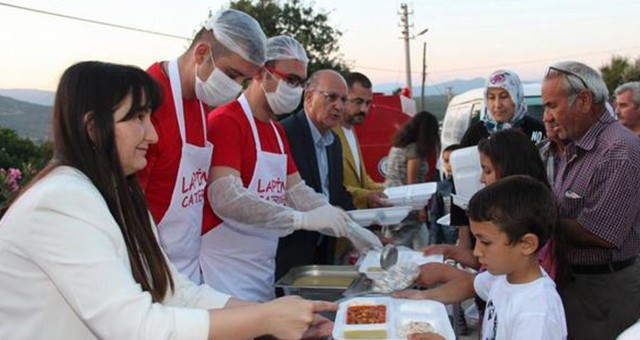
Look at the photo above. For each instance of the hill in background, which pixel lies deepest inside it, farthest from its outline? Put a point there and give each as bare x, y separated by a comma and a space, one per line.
33, 121
29, 120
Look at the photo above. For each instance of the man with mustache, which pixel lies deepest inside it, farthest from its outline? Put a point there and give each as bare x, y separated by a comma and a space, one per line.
366, 193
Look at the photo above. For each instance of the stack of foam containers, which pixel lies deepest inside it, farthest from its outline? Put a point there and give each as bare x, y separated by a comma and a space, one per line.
466, 170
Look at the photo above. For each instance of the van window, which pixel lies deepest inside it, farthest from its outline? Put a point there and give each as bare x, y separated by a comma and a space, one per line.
455, 124
476, 112
535, 108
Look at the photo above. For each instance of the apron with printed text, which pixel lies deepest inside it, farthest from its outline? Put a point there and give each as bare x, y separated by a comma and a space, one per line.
181, 227
239, 259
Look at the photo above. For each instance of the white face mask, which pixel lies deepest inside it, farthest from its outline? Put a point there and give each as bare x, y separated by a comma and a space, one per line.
285, 99
218, 89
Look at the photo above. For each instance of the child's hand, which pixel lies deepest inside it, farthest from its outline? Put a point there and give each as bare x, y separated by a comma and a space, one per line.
448, 250
425, 336
412, 294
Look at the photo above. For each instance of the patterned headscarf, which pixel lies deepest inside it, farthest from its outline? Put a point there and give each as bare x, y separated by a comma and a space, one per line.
511, 83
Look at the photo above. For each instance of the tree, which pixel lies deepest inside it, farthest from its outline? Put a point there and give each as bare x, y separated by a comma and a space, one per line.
311, 29
632, 73
612, 73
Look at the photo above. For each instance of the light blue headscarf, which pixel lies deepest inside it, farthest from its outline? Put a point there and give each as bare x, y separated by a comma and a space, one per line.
511, 83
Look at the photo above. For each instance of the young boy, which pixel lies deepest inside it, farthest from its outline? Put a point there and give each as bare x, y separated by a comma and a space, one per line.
512, 219
442, 203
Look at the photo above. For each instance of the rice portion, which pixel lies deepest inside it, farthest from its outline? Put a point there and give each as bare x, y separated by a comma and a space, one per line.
413, 327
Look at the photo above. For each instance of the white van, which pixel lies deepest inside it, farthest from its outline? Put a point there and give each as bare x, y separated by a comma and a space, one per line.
465, 108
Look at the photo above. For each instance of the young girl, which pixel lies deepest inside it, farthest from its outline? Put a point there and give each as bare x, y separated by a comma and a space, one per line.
80, 256
414, 145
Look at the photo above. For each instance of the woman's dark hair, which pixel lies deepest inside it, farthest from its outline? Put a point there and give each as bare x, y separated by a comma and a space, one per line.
422, 129
513, 154
518, 205
83, 130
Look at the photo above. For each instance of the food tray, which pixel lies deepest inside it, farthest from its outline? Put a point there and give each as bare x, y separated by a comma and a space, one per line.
381, 216
415, 195
318, 282
370, 266
398, 313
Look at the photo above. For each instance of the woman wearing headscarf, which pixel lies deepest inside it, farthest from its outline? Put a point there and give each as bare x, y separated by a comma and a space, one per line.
504, 109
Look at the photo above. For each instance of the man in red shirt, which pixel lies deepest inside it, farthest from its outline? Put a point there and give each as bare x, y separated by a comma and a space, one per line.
227, 51
255, 186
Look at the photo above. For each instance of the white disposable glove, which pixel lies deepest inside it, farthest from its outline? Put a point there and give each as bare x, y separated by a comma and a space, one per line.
362, 238
232, 201
303, 198
326, 219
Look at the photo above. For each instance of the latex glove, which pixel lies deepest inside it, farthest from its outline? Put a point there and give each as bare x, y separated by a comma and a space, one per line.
326, 219
303, 198
232, 201
362, 238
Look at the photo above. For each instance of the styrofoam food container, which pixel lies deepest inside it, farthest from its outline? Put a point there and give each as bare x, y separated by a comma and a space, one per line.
416, 195
461, 201
444, 220
399, 313
370, 265
466, 170
381, 216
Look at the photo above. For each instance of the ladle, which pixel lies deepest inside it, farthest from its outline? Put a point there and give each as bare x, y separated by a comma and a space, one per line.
388, 256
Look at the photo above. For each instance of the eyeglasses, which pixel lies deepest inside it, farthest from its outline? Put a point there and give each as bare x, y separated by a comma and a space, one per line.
331, 97
568, 73
359, 101
291, 79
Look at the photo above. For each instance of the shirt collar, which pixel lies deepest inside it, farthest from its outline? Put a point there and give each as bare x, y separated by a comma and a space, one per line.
318, 139
588, 141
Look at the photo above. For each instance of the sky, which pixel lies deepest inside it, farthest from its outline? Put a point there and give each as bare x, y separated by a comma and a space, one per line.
466, 38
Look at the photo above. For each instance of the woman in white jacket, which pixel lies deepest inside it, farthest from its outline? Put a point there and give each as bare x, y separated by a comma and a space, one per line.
79, 257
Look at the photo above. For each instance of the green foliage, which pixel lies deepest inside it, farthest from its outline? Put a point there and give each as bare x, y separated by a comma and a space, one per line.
17, 152
619, 71
632, 73
20, 160
612, 73
309, 27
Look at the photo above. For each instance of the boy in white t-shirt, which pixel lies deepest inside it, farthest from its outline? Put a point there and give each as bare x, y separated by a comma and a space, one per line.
512, 219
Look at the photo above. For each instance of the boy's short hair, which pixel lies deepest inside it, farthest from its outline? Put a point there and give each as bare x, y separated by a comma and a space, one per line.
518, 205
452, 147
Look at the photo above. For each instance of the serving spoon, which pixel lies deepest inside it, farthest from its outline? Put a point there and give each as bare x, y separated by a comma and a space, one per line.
388, 256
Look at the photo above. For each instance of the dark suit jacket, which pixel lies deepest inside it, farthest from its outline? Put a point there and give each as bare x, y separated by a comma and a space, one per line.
301, 247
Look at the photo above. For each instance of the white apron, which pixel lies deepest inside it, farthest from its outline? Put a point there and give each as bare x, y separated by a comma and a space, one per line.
239, 259
181, 227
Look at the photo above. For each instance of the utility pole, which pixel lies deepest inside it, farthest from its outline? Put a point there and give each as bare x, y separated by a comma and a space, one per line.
424, 74
404, 18
449, 93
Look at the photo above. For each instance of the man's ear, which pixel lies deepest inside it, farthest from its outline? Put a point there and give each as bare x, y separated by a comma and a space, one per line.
201, 52
584, 100
529, 244
90, 126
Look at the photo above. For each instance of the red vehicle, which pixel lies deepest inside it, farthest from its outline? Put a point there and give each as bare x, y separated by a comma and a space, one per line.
386, 115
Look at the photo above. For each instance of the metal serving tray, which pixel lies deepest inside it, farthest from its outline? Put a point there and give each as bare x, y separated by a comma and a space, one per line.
318, 282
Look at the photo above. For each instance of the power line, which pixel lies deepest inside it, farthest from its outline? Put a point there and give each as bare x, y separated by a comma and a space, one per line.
503, 64
103, 23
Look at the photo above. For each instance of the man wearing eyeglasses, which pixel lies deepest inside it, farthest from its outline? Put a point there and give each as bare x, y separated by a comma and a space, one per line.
366, 193
318, 155
596, 189
255, 188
